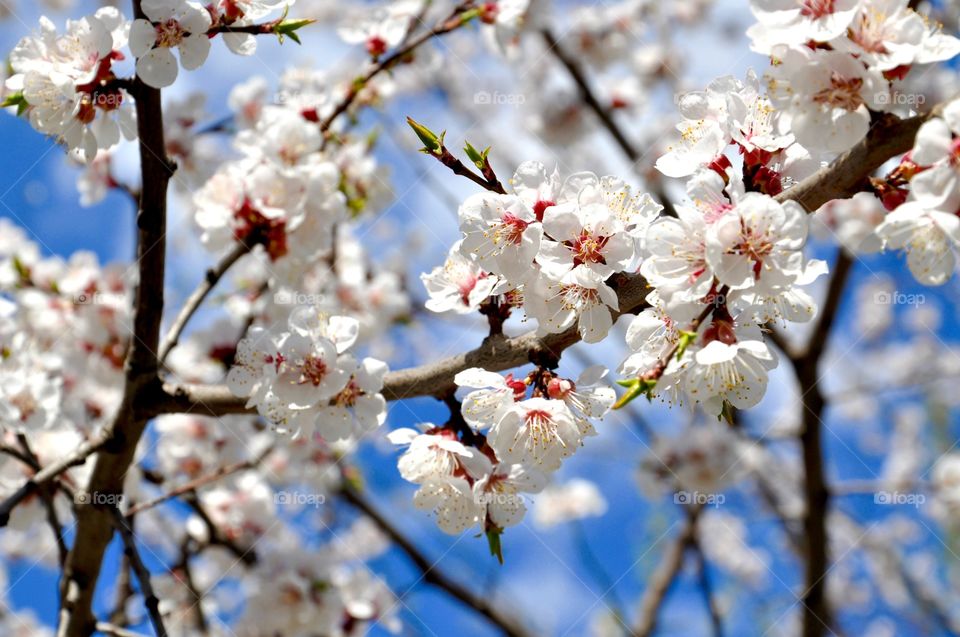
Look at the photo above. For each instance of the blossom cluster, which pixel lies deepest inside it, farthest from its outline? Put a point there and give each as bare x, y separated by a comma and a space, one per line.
548, 247
302, 379
837, 61
66, 86
504, 443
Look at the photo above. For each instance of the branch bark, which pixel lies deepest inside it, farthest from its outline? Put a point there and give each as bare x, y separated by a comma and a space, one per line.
435, 379
94, 526
817, 617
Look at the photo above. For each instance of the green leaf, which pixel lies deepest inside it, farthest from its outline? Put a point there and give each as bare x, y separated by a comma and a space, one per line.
493, 541
475, 156
635, 387
685, 339
16, 99
431, 143
289, 28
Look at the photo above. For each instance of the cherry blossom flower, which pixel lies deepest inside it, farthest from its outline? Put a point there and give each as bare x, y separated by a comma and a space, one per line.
359, 407
581, 297
250, 202
66, 82
758, 243
799, 21
435, 454
585, 236
451, 500
828, 96
500, 492
589, 397
929, 236
382, 29
501, 233
537, 432
853, 222
169, 24
459, 285
493, 394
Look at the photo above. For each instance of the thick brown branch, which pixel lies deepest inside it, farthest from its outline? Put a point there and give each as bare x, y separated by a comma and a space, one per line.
435, 379
429, 571
94, 526
889, 136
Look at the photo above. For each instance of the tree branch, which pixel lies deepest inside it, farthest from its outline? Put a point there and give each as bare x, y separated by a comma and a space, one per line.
203, 289
435, 379
663, 576
428, 569
817, 617
195, 484
150, 599
94, 527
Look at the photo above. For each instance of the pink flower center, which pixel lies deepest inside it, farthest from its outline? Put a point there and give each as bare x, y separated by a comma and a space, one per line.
842, 93
510, 229
540, 207
313, 370
754, 246
169, 33
816, 9
348, 397
588, 248
251, 225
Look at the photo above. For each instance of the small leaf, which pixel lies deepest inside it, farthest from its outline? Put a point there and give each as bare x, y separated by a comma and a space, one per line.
635, 387
475, 156
16, 99
289, 28
685, 339
493, 541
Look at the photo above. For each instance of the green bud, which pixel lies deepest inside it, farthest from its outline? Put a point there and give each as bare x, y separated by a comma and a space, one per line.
431, 143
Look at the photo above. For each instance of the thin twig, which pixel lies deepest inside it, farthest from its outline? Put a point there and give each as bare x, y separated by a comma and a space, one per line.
150, 599
48, 494
428, 568
664, 575
203, 289
196, 483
